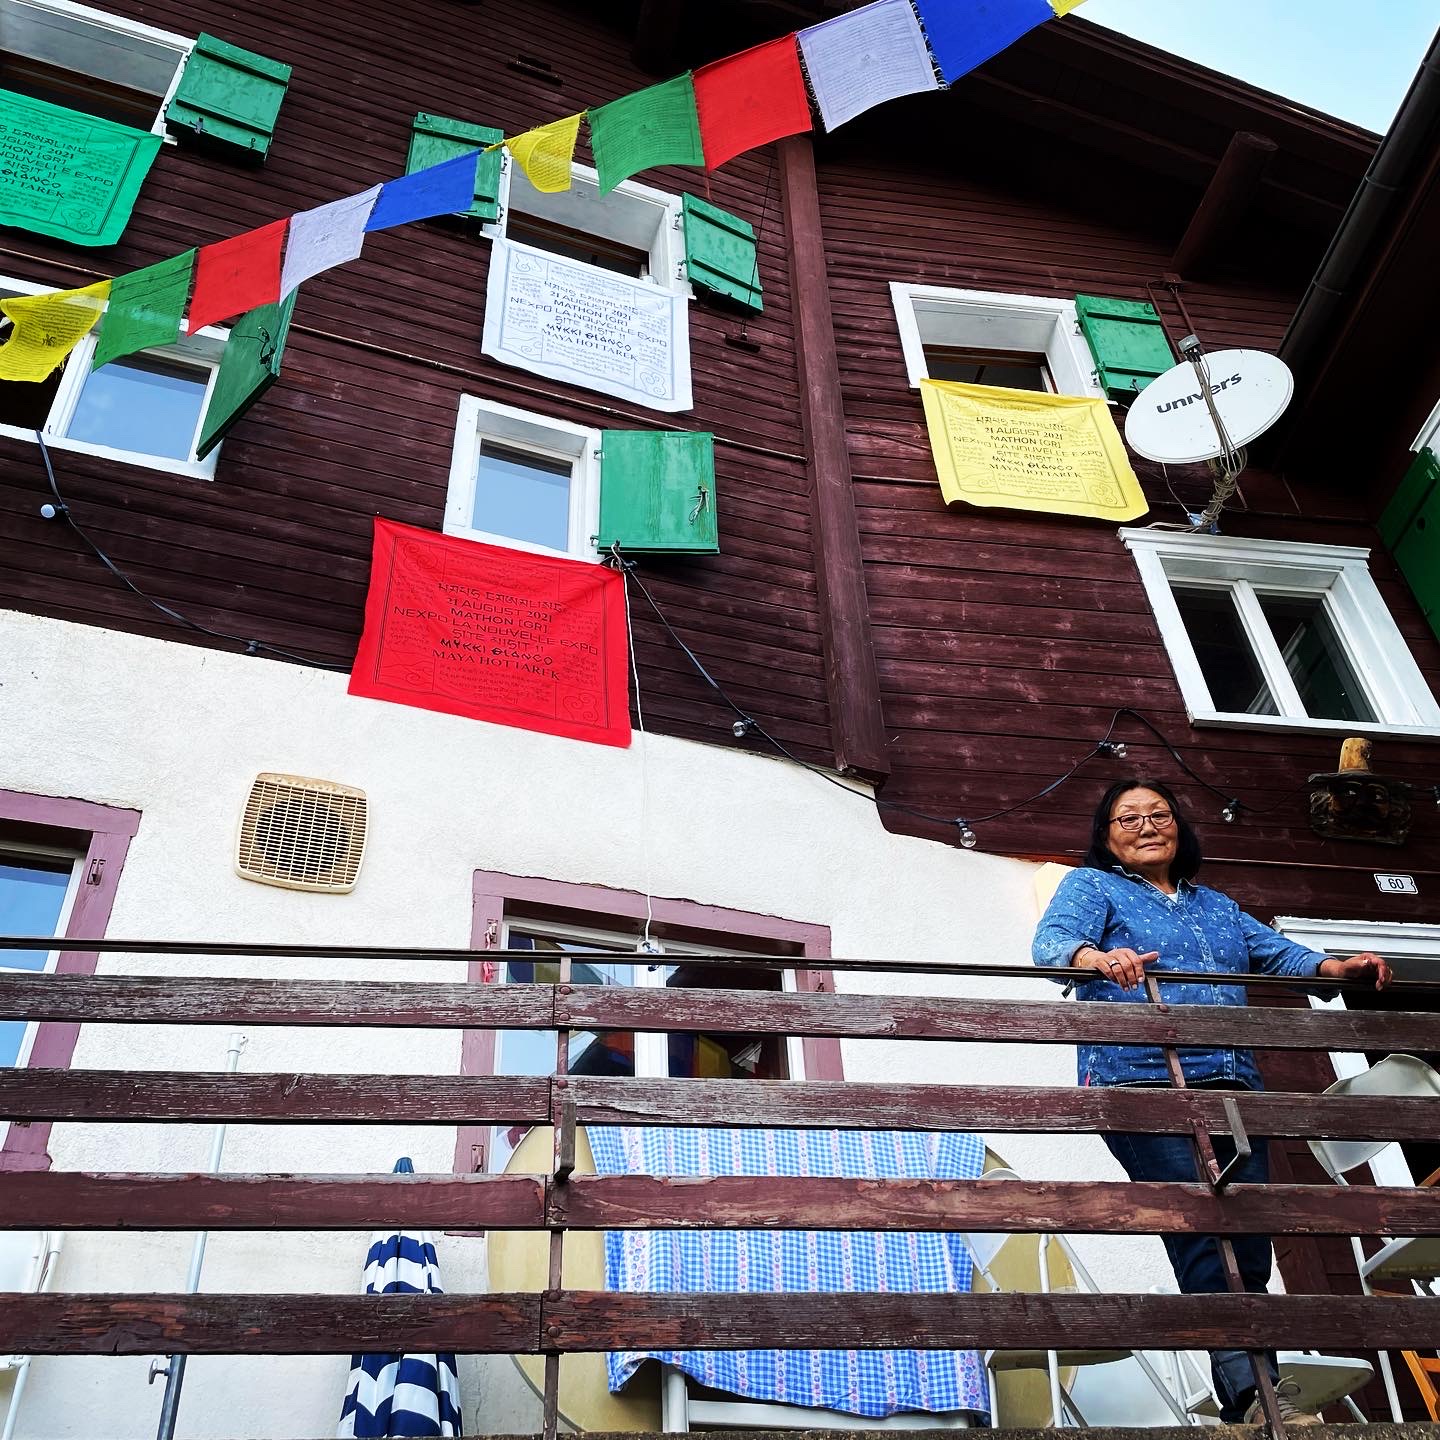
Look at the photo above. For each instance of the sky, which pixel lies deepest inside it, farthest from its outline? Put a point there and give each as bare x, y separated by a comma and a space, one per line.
1344, 57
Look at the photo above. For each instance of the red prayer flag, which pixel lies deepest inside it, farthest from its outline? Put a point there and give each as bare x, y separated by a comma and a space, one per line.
236, 275
750, 99
495, 634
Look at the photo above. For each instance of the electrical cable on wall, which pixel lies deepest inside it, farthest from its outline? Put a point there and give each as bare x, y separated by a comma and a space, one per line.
61, 510
1232, 808
647, 946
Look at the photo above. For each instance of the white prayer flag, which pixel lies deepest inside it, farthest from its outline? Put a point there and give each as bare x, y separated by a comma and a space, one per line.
327, 236
871, 55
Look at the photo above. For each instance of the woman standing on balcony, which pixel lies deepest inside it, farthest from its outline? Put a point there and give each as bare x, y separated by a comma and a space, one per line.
1134, 905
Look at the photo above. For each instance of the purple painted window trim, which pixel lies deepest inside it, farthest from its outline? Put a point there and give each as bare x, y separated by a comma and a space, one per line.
104, 833
497, 894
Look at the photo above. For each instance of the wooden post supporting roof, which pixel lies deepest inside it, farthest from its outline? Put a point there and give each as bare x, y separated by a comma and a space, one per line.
1231, 193
852, 682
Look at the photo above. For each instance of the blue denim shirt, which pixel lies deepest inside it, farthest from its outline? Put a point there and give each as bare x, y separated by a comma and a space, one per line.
1196, 929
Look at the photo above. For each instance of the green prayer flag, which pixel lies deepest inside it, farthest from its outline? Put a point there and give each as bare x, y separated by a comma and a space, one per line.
69, 175
658, 126
145, 309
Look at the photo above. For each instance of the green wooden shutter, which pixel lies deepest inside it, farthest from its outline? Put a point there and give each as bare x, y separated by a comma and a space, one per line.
657, 492
1420, 479
249, 367
720, 253
1410, 526
228, 95
433, 140
1127, 341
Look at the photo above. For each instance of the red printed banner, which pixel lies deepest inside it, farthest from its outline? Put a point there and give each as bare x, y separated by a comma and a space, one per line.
495, 634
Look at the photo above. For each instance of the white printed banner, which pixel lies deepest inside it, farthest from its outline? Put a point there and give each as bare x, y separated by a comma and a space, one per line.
327, 236
588, 327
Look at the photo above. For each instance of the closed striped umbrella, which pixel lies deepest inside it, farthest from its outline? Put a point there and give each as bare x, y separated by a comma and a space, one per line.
396, 1394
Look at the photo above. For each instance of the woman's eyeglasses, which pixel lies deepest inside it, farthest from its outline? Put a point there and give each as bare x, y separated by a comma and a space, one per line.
1160, 819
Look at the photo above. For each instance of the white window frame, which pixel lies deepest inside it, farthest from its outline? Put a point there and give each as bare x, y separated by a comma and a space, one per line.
541, 435
652, 1049
980, 320
203, 350
1413, 951
125, 30
20, 850
1339, 574
632, 214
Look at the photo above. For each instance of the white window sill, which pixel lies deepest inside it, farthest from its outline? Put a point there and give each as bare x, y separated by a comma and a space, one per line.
1287, 724
194, 469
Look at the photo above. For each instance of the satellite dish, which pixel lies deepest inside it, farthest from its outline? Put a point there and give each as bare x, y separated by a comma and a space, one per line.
1170, 421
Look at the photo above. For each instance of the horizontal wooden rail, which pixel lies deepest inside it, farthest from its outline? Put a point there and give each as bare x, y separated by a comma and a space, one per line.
590, 1321
80, 1200
156, 1096
161, 1095
68, 1200
140, 999
228, 1000
100, 945
1044, 1110
903, 1017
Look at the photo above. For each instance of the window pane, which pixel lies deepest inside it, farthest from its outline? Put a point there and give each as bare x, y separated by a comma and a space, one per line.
532, 1052
32, 894
1014, 372
1315, 658
577, 245
717, 1056
1227, 661
149, 406
523, 496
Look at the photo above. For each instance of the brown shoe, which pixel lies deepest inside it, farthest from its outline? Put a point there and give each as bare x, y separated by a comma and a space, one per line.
1290, 1412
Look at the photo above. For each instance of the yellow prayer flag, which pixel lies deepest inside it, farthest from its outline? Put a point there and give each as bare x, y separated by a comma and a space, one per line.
47, 328
1064, 7
544, 154
1029, 451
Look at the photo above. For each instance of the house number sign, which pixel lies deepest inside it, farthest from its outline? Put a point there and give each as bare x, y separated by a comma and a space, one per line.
1397, 884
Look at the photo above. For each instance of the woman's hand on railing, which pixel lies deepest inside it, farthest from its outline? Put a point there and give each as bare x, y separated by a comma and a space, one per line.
1124, 966
1365, 966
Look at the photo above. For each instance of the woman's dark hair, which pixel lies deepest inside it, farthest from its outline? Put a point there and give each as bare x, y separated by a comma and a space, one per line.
1099, 856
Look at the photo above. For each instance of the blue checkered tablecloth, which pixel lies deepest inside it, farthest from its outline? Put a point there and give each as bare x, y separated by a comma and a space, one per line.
860, 1382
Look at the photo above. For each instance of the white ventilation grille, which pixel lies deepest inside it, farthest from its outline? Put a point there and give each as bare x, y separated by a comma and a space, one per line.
302, 834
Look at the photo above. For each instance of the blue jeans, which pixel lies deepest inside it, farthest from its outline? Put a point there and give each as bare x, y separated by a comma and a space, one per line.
1195, 1259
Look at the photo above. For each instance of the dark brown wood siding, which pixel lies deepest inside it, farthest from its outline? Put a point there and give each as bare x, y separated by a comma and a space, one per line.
277, 547
1005, 640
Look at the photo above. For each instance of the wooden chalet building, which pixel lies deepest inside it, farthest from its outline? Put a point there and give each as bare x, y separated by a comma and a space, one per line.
949, 663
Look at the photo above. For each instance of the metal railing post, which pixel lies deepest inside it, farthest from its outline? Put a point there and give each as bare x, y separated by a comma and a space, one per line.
1209, 1170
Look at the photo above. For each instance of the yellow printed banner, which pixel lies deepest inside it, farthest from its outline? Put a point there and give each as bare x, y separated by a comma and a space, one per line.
1028, 451
545, 153
1064, 7
46, 328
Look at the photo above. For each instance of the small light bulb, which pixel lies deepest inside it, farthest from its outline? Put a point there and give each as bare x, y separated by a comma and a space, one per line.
742, 727
968, 838
1231, 813
1115, 749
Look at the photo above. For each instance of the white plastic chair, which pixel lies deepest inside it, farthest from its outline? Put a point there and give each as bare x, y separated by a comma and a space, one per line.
983, 1249
1413, 1259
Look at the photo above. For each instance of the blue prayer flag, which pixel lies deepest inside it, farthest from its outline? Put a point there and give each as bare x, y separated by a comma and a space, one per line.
444, 189
966, 33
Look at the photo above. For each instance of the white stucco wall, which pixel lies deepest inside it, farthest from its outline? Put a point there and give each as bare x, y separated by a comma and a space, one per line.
179, 733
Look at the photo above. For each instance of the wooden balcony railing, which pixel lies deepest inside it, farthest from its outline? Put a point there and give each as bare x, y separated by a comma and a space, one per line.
559, 1321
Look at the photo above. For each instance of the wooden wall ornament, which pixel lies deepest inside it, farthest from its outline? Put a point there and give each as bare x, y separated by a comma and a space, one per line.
1353, 803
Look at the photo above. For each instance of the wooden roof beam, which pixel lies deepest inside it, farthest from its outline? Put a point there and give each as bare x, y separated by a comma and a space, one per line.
1233, 190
